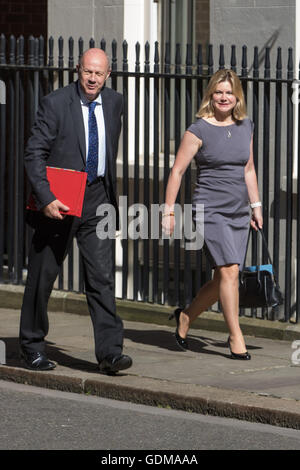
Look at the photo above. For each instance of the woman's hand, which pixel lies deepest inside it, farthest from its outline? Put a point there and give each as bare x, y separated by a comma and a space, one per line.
168, 224
256, 220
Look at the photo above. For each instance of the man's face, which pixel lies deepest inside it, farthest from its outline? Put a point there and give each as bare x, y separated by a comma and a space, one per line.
93, 72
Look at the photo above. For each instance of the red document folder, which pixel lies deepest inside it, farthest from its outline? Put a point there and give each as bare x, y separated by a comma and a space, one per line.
68, 186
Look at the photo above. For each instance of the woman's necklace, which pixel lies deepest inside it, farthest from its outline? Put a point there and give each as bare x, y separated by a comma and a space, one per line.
228, 131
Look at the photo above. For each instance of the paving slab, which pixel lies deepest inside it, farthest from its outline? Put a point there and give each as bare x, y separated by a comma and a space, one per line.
203, 380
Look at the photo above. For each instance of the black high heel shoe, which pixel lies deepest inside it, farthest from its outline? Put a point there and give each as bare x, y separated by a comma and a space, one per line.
182, 342
241, 356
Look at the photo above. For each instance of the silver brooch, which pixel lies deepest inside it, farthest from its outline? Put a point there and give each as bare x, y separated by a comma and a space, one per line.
228, 134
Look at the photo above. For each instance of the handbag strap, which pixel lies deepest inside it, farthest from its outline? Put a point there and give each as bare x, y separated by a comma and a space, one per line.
269, 256
267, 249
244, 262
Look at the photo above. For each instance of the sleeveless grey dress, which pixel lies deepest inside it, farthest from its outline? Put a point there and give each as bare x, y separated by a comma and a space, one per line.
222, 189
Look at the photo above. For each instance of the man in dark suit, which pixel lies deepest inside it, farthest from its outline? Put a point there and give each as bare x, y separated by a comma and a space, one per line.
76, 127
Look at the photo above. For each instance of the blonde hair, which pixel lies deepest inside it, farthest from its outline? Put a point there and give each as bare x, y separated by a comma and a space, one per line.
206, 109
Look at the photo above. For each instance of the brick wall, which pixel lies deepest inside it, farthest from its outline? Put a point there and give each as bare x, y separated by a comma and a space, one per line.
23, 17
202, 29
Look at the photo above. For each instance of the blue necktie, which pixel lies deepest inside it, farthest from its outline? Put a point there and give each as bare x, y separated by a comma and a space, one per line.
92, 158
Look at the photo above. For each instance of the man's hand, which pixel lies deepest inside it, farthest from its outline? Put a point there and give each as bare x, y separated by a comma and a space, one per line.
52, 210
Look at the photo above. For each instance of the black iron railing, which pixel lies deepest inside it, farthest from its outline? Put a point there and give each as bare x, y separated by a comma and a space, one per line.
160, 101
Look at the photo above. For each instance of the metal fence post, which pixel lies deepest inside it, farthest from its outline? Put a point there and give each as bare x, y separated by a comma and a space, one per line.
2, 157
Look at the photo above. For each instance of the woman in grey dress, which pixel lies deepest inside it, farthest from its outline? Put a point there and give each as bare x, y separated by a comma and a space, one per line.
221, 142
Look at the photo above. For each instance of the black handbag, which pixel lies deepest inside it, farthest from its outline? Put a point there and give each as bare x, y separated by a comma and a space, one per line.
259, 285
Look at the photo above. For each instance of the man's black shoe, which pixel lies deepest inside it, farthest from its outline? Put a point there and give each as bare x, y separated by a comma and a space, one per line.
36, 361
112, 364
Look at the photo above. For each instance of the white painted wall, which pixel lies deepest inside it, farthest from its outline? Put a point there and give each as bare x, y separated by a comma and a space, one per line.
140, 25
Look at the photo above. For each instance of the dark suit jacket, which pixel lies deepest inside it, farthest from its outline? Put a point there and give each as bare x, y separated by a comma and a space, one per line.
58, 139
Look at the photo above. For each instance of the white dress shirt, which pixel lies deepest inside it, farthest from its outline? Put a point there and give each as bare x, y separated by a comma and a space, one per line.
101, 129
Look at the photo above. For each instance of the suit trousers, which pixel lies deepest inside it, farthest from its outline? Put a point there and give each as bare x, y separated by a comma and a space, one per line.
50, 244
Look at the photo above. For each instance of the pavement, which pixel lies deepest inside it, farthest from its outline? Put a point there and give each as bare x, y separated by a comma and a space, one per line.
202, 380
